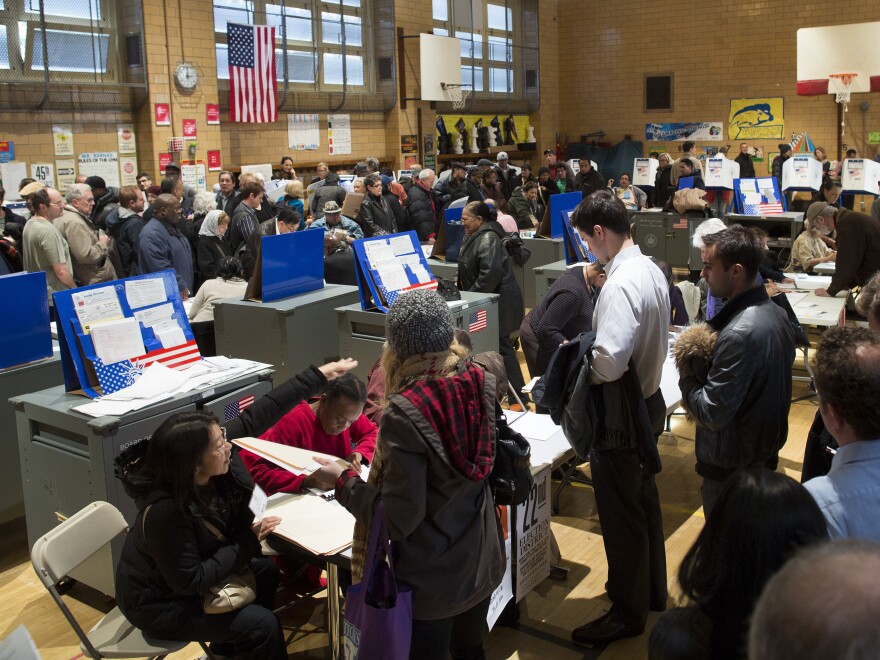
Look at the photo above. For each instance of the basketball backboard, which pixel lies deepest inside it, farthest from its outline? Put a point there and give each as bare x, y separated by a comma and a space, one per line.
440, 62
822, 51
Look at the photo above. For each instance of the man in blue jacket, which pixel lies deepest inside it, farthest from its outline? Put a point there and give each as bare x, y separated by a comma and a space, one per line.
161, 245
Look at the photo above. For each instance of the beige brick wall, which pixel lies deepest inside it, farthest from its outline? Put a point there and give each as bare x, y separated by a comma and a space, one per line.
717, 51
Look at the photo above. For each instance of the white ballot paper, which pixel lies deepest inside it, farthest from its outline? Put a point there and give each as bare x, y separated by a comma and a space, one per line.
259, 501
170, 335
146, 292
96, 305
155, 380
117, 340
155, 315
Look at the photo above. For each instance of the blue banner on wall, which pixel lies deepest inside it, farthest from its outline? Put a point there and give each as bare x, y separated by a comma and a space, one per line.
698, 130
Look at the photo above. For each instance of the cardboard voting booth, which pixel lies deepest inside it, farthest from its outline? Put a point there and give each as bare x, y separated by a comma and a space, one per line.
387, 266
26, 333
802, 173
447, 243
287, 265
109, 332
860, 175
557, 214
759, 196
719, 173
645, 172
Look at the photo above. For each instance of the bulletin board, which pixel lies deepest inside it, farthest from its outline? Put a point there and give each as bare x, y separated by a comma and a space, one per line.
153, 300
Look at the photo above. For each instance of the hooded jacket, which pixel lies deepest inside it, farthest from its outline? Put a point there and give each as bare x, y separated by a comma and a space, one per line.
435, 451
741, 405
484, 266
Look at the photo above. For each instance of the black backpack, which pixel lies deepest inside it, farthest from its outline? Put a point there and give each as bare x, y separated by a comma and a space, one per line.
515, 247
511, 477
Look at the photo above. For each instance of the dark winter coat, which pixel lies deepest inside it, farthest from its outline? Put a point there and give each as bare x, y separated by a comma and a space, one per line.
421, 211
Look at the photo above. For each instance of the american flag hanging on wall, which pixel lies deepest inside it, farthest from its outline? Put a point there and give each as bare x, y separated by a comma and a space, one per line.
252, 82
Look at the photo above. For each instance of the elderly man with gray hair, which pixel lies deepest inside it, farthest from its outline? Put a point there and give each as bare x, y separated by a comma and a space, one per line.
89, 247
809, 249
421, 209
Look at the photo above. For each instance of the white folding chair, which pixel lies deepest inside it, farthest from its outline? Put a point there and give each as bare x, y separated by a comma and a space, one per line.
67, 546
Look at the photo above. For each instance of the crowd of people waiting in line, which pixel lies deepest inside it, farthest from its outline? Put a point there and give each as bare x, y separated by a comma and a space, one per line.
431, 454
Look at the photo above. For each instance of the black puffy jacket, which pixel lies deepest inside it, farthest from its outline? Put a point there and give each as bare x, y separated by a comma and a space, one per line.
742, 409
484, 266
420, 211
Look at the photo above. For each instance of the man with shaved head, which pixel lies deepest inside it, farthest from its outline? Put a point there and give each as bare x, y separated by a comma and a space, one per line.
161, 245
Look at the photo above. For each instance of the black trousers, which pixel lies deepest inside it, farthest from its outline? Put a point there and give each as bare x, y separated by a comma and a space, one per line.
632, 532
251, 633
461, 636
511, 366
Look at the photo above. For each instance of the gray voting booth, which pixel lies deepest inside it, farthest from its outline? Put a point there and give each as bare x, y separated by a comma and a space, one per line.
445, 269
544, 251
546, 275
669, 237
289, 334
66, 457
362, 333
15, 381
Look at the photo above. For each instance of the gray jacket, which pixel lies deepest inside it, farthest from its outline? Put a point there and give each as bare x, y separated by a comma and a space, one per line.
741, 406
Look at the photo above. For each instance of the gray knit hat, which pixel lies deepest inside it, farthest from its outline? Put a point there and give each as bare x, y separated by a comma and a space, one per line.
419, 322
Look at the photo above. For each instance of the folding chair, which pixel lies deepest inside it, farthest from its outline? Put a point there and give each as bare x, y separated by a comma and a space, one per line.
67, 546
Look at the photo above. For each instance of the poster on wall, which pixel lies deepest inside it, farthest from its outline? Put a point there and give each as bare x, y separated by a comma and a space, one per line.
128, 170
339, 134
214, 161
533, 554
212, 114
62, 139
125, 138
409, 144
302, 132
11, 173
104, 164
165, 160
755, 119
193, 174
190, 128
430, 162
7, 152
66, 170
163, 115
699, 130
44, 172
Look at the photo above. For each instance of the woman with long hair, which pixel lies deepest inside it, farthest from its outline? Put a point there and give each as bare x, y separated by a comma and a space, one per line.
760, 519
435, 450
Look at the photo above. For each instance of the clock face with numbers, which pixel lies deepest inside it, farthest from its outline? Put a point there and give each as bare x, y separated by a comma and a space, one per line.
186, 76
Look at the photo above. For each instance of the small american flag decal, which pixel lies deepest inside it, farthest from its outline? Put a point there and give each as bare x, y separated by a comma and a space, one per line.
477, 321
234, 409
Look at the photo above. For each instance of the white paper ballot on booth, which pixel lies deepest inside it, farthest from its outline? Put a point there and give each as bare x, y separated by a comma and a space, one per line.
96, 305
117, 340
145, 292
170, 335
155, 315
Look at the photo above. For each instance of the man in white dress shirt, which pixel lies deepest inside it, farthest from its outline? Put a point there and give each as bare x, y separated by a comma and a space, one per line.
631, 321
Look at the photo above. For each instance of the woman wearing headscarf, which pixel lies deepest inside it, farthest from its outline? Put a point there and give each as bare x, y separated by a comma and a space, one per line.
211, 246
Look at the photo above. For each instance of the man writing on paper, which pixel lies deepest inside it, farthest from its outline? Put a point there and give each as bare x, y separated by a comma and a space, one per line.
858, 249
161, 245
43, 246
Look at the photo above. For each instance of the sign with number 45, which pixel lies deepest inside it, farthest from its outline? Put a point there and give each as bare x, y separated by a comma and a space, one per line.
44, 172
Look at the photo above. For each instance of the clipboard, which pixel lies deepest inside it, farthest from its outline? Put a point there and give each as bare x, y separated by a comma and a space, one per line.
287, 265
399, 255
85, 372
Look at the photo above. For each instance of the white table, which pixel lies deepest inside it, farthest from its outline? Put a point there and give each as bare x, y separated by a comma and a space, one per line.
804, 281
811, 309
825, 268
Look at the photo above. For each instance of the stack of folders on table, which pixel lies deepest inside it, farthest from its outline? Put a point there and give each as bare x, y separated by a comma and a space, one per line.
315, 524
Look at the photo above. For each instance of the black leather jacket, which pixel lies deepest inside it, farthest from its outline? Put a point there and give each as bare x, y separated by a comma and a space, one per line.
376, 217
742, 409
484, 265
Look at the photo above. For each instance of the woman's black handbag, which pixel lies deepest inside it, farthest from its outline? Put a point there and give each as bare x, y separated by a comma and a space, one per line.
511, 477
447, 290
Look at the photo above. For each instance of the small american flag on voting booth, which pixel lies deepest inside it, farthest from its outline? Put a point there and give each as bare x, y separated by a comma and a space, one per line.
234, 409
477, 321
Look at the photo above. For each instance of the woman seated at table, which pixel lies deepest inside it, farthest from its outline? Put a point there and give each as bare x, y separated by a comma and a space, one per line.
809, 249
194, 529
334, 424
227, 284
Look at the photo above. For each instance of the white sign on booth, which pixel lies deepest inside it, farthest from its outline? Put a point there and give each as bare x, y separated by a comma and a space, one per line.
802, 173
533, 555
860, 175
720, 173
645, 172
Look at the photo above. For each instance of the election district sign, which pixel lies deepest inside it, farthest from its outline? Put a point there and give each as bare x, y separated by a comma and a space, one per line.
533, 554
44, 172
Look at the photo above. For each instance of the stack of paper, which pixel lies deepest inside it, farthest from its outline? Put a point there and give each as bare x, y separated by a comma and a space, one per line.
292, 459
321, 527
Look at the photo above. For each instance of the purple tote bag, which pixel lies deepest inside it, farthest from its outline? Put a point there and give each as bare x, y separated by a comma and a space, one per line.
378, 612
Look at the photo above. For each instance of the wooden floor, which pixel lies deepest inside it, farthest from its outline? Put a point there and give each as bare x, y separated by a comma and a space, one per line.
548, 614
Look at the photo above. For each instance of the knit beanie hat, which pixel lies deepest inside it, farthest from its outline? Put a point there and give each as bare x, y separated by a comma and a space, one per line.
419, 322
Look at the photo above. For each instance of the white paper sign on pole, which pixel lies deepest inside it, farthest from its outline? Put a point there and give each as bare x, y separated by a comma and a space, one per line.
860, 175
128, 170
644, 172
12, 173
62, 139
533, 555
801, 173
103, 164
66, 170
126, 138
338, 134
44, 172
193, 175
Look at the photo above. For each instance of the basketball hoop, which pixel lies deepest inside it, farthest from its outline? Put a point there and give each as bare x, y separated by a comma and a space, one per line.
458, 94
841, 85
